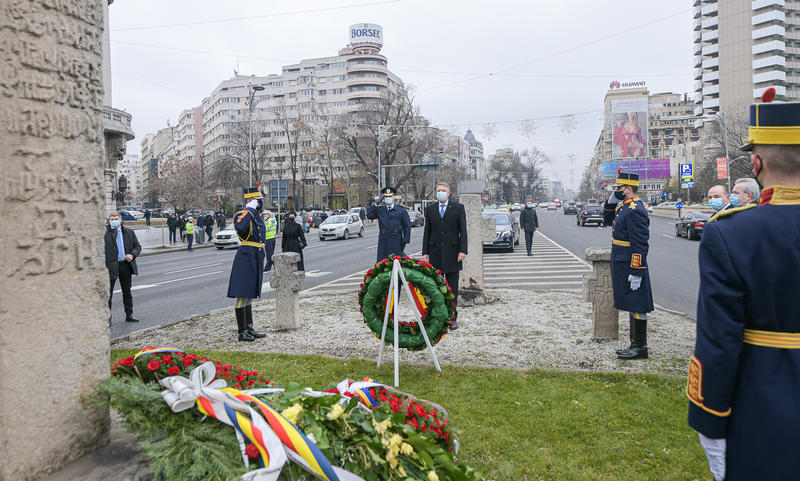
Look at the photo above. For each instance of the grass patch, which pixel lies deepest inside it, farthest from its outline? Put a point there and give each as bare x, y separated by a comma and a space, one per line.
530, 425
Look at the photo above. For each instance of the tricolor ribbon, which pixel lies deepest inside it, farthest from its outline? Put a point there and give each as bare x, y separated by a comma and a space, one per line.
158, 350
349, 388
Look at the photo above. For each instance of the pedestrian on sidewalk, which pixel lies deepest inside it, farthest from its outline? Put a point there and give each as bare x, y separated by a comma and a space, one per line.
529, 223
743, 376
182, 226
221, 220
630, 278
209, 225
269, 236
172, 225
444, 242
247, 272
293, 239
121, 249
201, 222
189, 233
147, 217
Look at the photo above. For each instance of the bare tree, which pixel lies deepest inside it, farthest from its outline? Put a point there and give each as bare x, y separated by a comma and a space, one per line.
287, 141
713, 140
233, 169
179, 184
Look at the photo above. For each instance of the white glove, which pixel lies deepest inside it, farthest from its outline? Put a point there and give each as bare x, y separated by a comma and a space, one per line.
636, 281
612, 199
715, 452
253, 204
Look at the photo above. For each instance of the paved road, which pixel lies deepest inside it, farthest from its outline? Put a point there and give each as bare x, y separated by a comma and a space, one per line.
183, 284
672, 261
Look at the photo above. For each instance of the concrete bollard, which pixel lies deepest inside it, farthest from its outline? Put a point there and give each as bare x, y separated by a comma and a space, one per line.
287, 282
597, 289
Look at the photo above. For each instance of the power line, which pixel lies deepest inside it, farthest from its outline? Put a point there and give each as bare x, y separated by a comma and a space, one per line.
202, 52
255, 17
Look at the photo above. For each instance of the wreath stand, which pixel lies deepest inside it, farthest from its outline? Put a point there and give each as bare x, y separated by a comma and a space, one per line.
398, 279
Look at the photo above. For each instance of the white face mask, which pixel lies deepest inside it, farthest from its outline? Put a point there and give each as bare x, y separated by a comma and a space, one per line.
388, 200
441, 196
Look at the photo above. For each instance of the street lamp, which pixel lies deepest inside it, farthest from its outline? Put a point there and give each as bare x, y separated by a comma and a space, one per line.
382, 137
252, 89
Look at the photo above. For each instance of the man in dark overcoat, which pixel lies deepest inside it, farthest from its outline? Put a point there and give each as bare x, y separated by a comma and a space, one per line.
444, 239
744, 376
121, 250
248, 264
630, 280
394, 225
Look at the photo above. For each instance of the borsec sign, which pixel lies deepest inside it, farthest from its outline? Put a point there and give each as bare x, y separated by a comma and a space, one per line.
362, 33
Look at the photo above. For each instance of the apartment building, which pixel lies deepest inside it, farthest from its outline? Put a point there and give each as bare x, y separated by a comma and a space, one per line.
477, 168
189, 135
130, 167
741, 48
154, 148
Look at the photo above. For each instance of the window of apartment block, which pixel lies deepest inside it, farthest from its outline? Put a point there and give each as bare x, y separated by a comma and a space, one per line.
322, 80
322, 92
338, 65
277, 84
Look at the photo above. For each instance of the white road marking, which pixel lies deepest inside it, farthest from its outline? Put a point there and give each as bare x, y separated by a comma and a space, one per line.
193, 268
146, 286
565, 249
316, 273
535, 284
665, 235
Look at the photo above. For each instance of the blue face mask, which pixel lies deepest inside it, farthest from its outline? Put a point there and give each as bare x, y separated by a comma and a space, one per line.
388, 200
716, 203
619, 194
114, 224
441, 196
734, 200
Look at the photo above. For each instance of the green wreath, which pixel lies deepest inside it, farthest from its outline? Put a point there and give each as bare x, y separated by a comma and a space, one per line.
436, 302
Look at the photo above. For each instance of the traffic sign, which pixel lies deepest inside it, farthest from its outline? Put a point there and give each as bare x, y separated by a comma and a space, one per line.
687, 185
485, 197
679, 206
278, 191
687, 172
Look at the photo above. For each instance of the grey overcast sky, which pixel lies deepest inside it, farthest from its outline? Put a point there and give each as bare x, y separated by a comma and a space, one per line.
472, 63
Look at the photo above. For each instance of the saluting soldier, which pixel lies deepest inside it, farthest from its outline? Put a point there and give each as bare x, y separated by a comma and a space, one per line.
629, 245
247, 272
744, 376
394, 225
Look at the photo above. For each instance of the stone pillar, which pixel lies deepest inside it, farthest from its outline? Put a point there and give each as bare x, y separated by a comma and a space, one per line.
287, 282
470, 281
54, 341
597, 289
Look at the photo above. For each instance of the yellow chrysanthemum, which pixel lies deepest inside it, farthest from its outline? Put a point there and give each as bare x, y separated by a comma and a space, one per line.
403, 472
335, 413
432, 476
291, 413
382, 426
406, 449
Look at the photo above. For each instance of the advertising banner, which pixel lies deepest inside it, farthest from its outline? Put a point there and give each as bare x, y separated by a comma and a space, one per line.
629, 121
722, 168
647, 169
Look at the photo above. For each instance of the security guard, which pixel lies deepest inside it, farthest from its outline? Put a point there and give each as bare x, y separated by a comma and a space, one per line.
629, 245
247, 272
269, 244
744, 376
393, 223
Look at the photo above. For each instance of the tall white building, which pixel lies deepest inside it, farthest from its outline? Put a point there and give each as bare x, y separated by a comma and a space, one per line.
130, 166
741, 48
154, 148
477, 169
189, 135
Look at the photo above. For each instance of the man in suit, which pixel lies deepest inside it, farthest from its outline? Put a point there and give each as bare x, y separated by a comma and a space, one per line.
121, 249
394, 225
444, 242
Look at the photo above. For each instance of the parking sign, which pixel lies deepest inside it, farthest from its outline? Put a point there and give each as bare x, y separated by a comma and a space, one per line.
686, 171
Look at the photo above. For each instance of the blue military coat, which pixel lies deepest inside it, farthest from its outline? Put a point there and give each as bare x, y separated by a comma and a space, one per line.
247, 272
629, 245
395, 229
744, 376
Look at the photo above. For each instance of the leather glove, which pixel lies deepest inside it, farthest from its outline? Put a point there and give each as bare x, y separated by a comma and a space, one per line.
715, 452
253, 204
636, 281
612, 199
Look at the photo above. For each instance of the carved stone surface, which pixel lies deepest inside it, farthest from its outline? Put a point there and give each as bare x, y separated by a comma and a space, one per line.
287, 282
470, 281
597, 289
54, 343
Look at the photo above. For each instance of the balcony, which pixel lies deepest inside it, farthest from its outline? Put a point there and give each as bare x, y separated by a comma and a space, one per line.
776, 45
711, 63
696, 23
698, 111
711, 49
697, 48
771, 61
711, 76
772, 30
771, 76
698, 73
757, 4
773, 15
377, 81
780, 90
711, 103
366, 67
117, 122
706, 10
698, 85
710, 35
697, 35
711, 90
709, 23
698, 61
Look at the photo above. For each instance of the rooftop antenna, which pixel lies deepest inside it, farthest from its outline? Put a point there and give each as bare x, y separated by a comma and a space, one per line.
236, 69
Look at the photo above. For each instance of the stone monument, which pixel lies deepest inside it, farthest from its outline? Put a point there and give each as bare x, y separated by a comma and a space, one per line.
470, 282
597, 289
287, 282
54, 341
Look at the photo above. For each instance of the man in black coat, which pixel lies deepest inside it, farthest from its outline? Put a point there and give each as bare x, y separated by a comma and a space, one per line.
293, 239
529, 222
121, 249
209, 224
444, 242
172, 224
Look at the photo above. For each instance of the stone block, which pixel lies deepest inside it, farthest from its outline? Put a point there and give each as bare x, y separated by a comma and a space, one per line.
470, 282
287, 282
597, 289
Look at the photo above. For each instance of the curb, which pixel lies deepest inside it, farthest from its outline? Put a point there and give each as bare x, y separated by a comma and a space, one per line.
167, 250
672, 311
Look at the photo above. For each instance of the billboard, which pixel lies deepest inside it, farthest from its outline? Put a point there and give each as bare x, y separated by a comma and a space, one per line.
366, 33
629, 119
463, 151
722, 167
647, 169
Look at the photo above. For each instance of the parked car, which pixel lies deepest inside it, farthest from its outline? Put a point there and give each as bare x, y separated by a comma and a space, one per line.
670, 205
194, 213
570, 208
516, 206
126, 215
226, 238
417, 219
691, 225
506, 228
317, 217
551, 206
341, 227
591, 202
542, 205
590, 213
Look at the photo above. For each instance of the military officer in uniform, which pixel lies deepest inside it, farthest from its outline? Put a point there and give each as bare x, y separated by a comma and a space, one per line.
744, 376
629, 245
394, 225
247, 272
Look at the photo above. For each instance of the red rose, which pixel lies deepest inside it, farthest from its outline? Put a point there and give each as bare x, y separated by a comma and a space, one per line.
396, 257
147, 348
362, 284
173, 370
227, 367
167, 359
252, 451
128, 361
153, 365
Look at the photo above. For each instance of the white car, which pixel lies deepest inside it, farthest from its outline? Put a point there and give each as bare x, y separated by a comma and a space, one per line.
552, 206
341, 226
516, 206
137, 214
542, 205
226, 238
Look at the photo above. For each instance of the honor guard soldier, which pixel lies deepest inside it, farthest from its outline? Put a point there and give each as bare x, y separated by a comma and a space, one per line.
247, 272
744, 376
629, 245
394, 225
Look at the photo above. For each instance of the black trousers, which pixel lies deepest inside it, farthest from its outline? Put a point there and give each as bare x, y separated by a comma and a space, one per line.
529, 240
269, 250
125, 273
452, 279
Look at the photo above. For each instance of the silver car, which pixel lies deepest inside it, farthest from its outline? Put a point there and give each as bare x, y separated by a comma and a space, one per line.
341, 227
226, 238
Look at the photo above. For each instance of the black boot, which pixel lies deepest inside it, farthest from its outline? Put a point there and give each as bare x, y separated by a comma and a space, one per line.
630, 333
249, 324
638, 349
241, 322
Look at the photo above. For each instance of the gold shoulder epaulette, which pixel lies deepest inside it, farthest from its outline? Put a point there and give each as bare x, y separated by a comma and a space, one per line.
726, 213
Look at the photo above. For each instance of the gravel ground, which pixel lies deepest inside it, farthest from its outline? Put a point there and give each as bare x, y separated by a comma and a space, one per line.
514, 329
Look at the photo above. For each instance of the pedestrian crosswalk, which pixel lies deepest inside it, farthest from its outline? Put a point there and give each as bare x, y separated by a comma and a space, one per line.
550, 267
